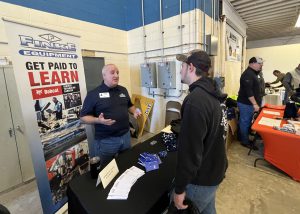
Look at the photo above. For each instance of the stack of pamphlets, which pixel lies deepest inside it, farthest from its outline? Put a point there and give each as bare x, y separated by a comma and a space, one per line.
149, 161
123, 184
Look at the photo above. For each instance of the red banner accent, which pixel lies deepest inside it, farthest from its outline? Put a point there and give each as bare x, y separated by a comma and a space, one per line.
39, 93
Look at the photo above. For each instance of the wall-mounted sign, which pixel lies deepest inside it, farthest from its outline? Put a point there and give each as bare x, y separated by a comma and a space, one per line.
233, 45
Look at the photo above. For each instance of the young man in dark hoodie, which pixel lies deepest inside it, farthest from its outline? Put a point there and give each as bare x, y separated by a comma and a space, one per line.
202, 161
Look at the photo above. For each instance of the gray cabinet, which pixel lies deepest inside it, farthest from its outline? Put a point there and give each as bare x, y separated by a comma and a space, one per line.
15, 159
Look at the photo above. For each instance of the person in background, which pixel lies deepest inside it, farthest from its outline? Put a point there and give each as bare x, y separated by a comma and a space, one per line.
82, 161
249, 98
107, 107
291, 82
262, 84
57, 108
201, 157
280, 76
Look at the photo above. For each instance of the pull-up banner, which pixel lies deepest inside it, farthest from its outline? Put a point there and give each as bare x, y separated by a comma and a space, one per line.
50, 81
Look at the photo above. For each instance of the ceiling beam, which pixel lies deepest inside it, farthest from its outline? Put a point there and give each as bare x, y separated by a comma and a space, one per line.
249, 4
285, 20
294, 4
279, 19
253, 37
274, 23
291, 11
272, 30
274, 27
255, 6
280, 9
266, 19
238, 2
281, 16
271, 26
268, 32
265, 6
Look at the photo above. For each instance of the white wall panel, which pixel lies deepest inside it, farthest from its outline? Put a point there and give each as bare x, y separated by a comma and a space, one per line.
284, 58
171, 41
289, 40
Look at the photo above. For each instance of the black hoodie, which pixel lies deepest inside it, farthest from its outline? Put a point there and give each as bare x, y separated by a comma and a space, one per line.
201, 148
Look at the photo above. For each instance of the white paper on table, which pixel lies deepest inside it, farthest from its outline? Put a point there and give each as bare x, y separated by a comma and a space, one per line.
271, 112
269, 122
123, 184
117, 197
118, 192
295, 123
167, 129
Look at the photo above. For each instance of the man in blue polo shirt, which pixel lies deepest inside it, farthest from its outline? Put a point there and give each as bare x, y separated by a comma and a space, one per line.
107, 108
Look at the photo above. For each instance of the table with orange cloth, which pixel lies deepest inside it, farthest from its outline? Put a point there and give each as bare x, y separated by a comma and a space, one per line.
281, 149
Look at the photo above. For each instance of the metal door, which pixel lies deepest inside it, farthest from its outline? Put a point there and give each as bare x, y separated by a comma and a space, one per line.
93, 71
17, 118
10, 171
93, 78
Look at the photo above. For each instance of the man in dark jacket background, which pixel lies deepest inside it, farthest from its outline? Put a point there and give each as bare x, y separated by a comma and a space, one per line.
201, 162
249, 99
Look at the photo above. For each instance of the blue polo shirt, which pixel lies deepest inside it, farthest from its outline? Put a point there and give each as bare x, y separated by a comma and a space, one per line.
114, 104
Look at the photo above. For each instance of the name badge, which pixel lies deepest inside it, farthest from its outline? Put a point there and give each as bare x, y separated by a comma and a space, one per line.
104, 95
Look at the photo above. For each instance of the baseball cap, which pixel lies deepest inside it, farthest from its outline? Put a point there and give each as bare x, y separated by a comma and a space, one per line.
256, 59
198, 58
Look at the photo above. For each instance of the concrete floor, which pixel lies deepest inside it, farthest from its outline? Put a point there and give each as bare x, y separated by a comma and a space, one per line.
256, 190
246, 189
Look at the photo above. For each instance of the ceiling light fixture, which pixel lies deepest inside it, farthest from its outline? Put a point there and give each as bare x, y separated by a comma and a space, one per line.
298, 21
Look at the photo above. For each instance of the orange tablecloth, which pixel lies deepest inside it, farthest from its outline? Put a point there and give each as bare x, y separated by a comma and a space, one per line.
281, 149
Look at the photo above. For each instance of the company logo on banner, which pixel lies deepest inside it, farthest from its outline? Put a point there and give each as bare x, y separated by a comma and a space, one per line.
45, 44
50, 79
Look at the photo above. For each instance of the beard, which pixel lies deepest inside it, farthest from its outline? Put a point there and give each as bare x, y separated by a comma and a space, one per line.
258, 71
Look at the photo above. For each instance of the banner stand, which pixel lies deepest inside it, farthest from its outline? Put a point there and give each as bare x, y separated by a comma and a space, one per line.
50, 81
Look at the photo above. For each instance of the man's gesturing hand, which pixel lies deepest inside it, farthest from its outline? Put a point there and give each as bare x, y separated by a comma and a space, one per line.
104, 121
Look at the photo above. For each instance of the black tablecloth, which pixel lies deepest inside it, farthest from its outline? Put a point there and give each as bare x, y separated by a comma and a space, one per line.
148, 195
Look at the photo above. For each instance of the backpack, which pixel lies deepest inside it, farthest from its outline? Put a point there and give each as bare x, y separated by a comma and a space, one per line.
175, 126
192, 208
290, 110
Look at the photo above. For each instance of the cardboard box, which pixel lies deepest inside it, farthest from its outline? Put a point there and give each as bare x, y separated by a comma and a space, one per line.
231, 132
